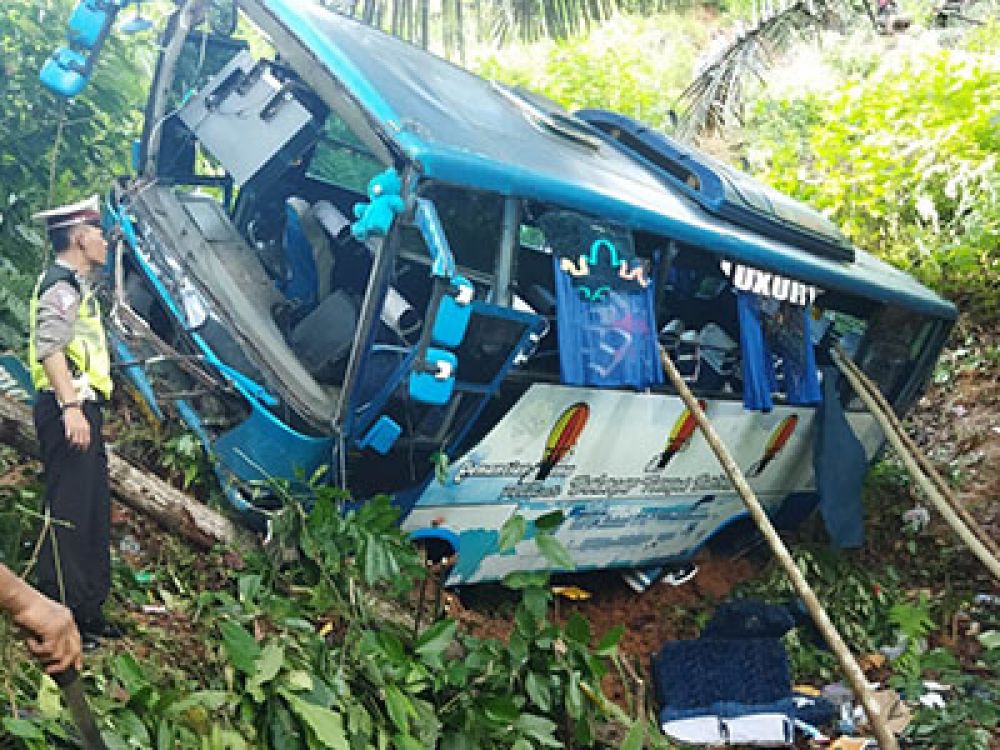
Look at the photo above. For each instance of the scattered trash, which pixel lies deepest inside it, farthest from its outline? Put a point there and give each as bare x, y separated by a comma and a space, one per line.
989, 600
897, 714
573, 593
129, 545
916, 519
932, 700
681, 575
838, 694
854, 743
894, 652
154, 609
641, 579
871, 661
144, 577
936, 687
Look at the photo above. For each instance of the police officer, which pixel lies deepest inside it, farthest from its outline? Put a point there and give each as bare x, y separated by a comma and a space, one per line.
71, 370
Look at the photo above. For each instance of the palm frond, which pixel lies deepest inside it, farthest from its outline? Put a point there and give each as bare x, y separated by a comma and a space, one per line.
715, 99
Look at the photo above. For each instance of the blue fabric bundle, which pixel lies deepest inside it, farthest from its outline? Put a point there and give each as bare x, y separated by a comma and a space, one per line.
749, 618
301, 282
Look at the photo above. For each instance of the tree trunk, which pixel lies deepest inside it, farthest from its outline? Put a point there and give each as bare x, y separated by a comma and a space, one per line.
136, 488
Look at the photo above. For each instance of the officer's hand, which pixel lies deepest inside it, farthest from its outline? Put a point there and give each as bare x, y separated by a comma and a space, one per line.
77, 427
53, 637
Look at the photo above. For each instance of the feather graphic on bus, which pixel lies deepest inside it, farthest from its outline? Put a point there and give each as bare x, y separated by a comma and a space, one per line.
775, 443
562, 437
680, 436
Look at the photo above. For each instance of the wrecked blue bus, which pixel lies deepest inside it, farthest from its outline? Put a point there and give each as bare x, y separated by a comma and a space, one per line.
341, 258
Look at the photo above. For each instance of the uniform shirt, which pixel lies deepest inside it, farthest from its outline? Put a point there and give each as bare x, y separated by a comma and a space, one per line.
56, 316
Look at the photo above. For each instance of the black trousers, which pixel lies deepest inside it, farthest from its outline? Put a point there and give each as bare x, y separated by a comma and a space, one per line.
77, 493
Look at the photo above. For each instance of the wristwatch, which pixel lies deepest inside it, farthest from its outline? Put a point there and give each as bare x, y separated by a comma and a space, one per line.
70, 404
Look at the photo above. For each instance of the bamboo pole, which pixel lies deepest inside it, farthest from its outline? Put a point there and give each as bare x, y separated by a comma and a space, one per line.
937, 500
924, 463
855, 677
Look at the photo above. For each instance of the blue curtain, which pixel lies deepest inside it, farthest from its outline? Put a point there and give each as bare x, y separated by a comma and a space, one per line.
759, 379
791, 340
607, 338
770, 332
840, 464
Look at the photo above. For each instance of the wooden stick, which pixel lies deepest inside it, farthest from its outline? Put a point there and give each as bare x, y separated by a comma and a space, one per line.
855, 677
842, 360
937, 500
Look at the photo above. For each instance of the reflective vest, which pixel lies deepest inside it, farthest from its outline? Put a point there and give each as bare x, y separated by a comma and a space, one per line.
87, 352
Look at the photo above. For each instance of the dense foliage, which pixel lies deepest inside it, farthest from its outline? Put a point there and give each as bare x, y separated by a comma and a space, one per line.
905, 160
325, 643
632, 65
53, 150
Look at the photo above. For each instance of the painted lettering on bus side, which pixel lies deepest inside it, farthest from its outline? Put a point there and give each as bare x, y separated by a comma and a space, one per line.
769, 284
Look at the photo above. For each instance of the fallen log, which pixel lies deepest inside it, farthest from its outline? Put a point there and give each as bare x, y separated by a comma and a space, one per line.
140, 490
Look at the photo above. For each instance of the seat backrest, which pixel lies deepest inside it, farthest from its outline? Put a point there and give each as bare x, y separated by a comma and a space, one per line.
322, 339
307, 254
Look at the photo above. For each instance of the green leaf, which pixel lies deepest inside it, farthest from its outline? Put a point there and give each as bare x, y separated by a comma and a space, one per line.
574, 697
525, 579
22, 728
990, 639
398, 707
608, 644
554, 551
539, 728
550, 521
129, 673
268, 665
212, 700
501, 709
248, 586
240, 646
406, 742
165, 735
326, 725
578, 629
298, 680
636, 738
511, 532
536, 601
538, 691
435, 640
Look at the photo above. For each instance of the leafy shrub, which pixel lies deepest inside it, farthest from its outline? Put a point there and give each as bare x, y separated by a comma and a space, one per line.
320, 650
636, 66
906, 162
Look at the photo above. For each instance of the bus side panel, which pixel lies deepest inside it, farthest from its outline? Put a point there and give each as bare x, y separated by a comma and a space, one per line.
635, 479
